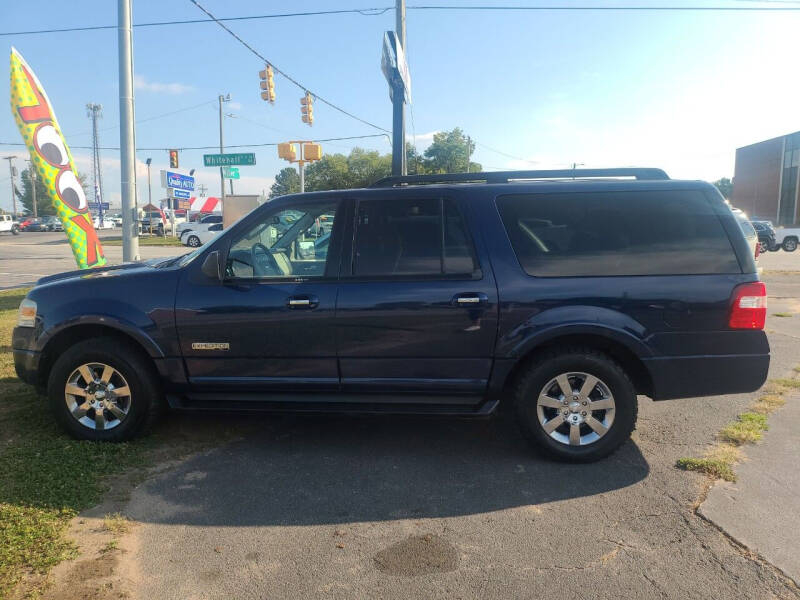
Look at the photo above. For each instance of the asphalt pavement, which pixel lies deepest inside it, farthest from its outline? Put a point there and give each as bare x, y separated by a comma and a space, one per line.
398, 508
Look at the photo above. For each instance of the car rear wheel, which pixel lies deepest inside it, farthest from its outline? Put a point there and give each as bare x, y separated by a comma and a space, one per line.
193, 241
576, 405
104, 389
762, 247
790, 244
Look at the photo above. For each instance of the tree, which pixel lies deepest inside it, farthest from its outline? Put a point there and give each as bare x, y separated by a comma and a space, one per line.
44, 206
448, 153
725, 186
287, 181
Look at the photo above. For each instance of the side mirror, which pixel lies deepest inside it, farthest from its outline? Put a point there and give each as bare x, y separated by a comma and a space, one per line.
211, 266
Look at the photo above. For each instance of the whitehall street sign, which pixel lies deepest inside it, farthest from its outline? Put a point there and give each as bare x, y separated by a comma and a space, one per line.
176, 181
174, 193
227, 160
230, 172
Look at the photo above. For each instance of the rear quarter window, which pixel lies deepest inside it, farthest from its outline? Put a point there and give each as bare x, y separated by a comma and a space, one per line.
617, 233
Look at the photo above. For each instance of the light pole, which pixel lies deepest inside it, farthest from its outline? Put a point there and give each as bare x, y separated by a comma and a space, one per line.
32, 177
149, 187
12, 170
127, 139
225, 98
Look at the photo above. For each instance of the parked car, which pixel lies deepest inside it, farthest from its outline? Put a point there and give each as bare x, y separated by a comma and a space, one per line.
8, 224
154, 222
104, 223
563, 298
25, 223
116, 219
204, 222
787, 237
37, 225
195, 239
748, 230
766, 236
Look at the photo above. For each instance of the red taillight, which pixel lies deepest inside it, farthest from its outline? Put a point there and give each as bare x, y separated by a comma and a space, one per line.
758, 249
749, 306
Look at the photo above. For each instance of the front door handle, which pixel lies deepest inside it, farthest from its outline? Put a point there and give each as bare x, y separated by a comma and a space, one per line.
470, 299
307, 302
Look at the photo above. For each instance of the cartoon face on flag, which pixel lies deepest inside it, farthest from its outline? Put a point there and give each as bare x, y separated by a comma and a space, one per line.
52, 159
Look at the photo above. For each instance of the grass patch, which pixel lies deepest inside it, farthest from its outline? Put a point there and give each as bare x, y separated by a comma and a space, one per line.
46, 478
715, 468
117, 523
792, 384
110, 547
782, 314
768, 403
747, 429
146, 240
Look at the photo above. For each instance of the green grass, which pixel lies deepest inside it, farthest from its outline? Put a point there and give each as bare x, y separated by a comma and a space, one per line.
788, 383
714, 467
146, 240
782, 314
46, 478
747, 429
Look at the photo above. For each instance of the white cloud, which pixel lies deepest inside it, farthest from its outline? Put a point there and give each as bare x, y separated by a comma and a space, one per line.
142, 84
422, 140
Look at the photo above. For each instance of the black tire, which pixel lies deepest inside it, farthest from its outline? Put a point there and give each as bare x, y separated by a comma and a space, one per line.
15, 230
129, 361
193, 241
762, 247
790, 244
575, 360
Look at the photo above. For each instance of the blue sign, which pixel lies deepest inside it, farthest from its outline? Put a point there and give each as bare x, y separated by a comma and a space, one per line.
181, 194
177, 181
98, 205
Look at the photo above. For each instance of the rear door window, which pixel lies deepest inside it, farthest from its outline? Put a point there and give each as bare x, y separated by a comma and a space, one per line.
412, 237
617, 233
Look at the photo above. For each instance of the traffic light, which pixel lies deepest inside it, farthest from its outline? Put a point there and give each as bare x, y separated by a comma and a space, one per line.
287, 152
307, 108
173, 159
267, 84
312, 151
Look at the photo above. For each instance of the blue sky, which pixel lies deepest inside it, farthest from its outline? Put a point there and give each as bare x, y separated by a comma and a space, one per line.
678, 90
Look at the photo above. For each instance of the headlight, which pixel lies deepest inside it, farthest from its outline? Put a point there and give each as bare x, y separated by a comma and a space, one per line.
27, 313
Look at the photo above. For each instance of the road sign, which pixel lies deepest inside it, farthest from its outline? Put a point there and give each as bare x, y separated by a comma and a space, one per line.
173, 193
176, 181
226, 160
394, 65
230, 172
98, 205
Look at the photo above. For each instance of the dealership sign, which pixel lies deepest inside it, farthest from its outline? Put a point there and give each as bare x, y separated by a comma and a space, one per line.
176, 181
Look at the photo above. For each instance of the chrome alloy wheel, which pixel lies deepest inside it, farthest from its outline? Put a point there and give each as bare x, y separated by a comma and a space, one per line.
97, 396
575, 409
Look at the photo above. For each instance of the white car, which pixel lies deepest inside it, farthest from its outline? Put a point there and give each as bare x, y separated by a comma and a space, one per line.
8, 224
107, 223
194, 239
787, 238
200, 225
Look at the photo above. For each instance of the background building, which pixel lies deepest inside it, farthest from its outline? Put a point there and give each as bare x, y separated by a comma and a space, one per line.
765, 182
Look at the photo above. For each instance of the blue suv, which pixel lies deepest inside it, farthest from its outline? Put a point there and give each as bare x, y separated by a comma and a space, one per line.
563, 294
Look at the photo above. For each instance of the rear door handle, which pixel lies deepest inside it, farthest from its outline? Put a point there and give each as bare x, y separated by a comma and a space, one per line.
470, 299
300, 302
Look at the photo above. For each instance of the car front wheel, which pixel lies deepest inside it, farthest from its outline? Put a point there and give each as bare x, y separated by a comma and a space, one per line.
790, 245
104, 389
576, 405
193, 241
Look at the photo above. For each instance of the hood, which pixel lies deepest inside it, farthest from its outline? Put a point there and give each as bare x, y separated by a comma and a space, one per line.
107, 271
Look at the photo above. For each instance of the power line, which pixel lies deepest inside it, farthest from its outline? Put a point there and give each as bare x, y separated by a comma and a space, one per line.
285, 74
365, 12
611, 8
506, 154
333, 139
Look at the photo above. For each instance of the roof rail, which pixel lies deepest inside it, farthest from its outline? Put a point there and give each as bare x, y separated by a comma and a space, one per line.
506, 176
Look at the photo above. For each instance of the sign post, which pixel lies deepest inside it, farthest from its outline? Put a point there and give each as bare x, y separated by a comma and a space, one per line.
395, 69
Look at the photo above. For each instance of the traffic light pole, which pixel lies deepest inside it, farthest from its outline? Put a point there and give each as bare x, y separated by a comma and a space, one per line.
398, 101
127, 141
221, 151
301, 168
32, 177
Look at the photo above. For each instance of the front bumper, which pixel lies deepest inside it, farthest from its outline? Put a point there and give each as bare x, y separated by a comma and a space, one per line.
26, 358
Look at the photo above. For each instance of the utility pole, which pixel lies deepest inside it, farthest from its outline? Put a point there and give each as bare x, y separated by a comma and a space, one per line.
301, 168
469, 152
399, 166
12, 172
201, 189
222, 99
32, 177
94, 112
127, 140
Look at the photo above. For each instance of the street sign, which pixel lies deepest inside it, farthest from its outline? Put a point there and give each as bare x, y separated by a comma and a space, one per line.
394, 65
226, 160
176, 181
230, 172
173, 193
98, 205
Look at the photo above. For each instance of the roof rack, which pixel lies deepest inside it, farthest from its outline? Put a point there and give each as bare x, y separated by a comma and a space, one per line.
506, 176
